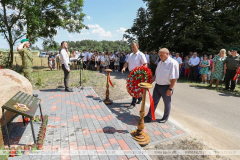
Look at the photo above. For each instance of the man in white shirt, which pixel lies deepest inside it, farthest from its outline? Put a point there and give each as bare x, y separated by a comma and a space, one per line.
85, 58
77, 55
194, 62
135, 59
90, 54
166, 76
65, 65
179, 60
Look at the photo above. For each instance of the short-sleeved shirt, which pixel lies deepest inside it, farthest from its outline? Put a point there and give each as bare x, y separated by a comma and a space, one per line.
232, 62
85, 56
179, 59
153, 57
166, 71
136, 60
27, 58
90, 55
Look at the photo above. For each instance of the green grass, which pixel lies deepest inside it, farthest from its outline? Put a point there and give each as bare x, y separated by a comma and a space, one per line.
43, 79
221, 86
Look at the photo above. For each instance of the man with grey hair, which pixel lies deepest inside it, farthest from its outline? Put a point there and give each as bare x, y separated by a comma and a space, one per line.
194, 62
135, 59
166, 76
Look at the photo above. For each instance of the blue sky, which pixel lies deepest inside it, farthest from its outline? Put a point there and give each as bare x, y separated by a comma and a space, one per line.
106, 19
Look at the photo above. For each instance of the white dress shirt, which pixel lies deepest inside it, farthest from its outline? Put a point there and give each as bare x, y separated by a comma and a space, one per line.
166, 71
179, 60
147, 57
136, 60
65, 58
194, 61
85, 56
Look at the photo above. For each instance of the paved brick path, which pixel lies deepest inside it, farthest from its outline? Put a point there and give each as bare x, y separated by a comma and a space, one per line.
77, 121
158, 132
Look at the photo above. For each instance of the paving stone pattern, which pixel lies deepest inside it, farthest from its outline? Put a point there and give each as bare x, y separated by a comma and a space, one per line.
77, 121
158, 132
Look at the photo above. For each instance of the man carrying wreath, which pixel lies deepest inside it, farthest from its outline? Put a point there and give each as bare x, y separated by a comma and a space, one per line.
166, 76
135, 59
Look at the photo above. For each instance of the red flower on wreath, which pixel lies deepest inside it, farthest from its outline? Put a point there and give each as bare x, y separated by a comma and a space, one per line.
136, 76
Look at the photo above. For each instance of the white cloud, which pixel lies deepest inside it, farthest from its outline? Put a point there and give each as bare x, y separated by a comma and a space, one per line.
102, 32
88, 17
93, 26
121, 30
70, 36
87, 33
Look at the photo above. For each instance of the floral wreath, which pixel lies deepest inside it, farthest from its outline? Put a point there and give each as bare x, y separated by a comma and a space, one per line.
136, 76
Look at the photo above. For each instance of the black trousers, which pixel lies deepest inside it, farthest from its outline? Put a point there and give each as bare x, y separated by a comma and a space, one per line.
85, 64
121, 66
66, 76
193, 73
134, 100
229, 77
158, 93
112, 65
153, 67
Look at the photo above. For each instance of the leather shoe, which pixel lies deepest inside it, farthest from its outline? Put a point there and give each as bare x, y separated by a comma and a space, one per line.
138, 102
147, 119
131, 106
162, 121
35, 95
68, 90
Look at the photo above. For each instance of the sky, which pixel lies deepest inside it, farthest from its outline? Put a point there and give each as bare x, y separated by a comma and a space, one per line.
106, 19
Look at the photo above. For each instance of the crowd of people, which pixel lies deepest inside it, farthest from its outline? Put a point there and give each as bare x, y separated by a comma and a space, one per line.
208, 68
193, 66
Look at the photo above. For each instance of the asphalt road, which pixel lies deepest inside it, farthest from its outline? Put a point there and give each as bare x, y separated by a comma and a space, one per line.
206, 115
209, 115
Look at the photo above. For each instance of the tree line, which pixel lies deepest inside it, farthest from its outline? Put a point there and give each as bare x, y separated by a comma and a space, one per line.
38, 19
100, 46
187, 25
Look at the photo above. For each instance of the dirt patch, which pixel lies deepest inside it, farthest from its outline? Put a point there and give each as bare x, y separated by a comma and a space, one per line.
184, 143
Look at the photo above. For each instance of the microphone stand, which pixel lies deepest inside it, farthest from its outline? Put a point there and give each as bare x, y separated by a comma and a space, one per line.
79, 59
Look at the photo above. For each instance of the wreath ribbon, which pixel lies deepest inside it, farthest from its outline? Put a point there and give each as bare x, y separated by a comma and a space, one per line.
110, 81
151, 105
237, 73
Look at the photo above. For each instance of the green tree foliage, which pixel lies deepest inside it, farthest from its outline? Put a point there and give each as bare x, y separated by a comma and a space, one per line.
10, 24
187, 25
41, 18
100, 46
44, 17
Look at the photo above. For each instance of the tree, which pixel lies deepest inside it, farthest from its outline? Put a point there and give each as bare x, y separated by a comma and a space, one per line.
42, 19
35, 48
10, 23
186, 25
